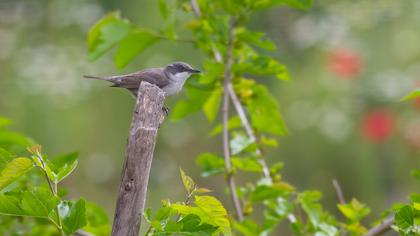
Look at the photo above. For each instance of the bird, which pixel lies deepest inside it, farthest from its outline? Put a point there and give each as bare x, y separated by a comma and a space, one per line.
170, 78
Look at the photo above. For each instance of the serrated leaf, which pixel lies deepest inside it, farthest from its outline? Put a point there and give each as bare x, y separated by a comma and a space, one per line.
73, 215
192, 225
354, 211
106, 33
10, 205
135, 42
63, 165
13, 170
212, 104
38, 202
189, 183
210, 164
404, 218
209, 210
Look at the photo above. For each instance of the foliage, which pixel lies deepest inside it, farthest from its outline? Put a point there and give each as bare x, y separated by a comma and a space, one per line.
210, 26
29, 188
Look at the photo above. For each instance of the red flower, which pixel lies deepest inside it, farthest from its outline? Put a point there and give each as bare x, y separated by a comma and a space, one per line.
377, 125
344, 63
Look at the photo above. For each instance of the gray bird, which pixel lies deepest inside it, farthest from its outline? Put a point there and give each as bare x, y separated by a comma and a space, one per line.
170, 79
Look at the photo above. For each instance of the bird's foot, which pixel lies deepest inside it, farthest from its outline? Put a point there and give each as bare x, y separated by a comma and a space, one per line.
165, 110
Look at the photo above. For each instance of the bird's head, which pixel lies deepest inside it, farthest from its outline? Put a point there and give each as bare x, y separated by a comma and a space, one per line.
180, 70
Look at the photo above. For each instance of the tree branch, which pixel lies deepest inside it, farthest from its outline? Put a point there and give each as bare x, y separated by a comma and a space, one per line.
196, 8
225, 119
382, 228
339, 192
147, 117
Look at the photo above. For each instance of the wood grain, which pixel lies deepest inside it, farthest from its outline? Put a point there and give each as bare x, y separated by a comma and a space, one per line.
147, 117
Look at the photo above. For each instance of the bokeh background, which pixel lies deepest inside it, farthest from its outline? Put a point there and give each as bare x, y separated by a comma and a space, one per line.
351, 62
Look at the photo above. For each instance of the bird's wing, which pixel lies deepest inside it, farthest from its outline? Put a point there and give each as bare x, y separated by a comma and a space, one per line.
132, 81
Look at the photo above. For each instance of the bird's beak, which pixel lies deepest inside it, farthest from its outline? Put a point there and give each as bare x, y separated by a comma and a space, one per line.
195, 71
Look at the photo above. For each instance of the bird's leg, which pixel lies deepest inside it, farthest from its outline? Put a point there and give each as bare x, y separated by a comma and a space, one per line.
165, 110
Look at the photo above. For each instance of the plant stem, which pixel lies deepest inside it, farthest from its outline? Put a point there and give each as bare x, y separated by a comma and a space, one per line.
225, 119
339, 192
384, 227
53, 188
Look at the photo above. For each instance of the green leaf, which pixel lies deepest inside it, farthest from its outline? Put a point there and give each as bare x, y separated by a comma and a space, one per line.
255, 38
247, 227
309, 201
239, 143
189, 183
4, 122
14, 142
354, 211
210, 211
5, 157
73, 215
132, 45
297, 4
404, 218
13, 170
194, 103
413, 95
212, 104
265, 192
38, 202
210, 164
234, 122
265, 114
192, 225
416, 174
164, 9
106, 33
97, 220
63, 165
261, 65
247, 164
10, 205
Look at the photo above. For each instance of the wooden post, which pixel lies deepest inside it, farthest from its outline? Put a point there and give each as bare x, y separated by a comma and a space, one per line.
147, 117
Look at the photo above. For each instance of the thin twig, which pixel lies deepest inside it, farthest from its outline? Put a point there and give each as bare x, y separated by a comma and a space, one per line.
339, 192
225, 119
382, 228
196, 8
53, 189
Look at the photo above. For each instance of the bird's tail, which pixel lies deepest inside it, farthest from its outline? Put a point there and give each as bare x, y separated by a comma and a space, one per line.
95, 77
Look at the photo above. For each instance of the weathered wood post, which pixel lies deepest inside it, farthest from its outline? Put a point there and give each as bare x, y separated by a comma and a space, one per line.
147, 117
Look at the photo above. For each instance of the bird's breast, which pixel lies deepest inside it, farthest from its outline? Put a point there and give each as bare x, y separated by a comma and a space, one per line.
176, 84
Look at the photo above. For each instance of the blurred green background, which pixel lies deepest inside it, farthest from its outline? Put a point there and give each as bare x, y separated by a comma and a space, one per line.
351, 62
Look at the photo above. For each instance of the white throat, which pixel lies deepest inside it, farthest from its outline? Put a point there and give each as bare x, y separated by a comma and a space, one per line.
177, 83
